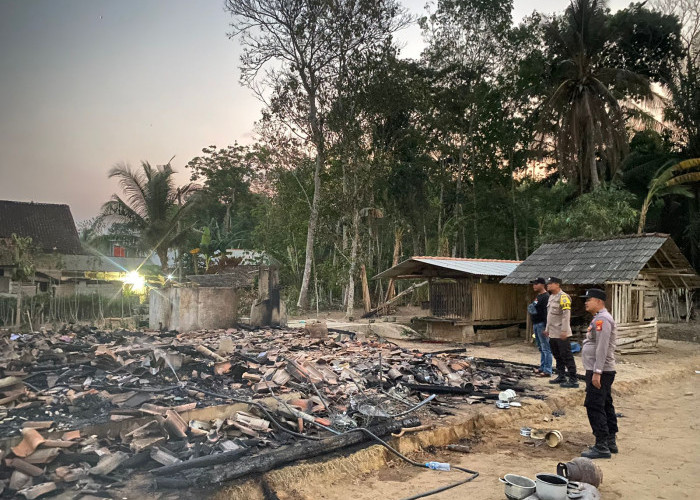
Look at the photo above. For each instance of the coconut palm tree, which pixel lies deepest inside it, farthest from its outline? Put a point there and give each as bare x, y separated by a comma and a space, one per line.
151, 206
583, 113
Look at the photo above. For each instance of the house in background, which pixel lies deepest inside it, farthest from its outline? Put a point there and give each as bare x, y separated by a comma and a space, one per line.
467, 303
63, 267
646, 278
51, 229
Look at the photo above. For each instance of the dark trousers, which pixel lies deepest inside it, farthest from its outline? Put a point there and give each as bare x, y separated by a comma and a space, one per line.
561, 351
599, 405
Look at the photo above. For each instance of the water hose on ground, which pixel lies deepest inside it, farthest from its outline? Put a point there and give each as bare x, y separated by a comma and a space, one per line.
472, 474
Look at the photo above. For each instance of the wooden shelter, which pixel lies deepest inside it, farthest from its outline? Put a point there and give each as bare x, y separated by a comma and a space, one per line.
643, 276
466, 301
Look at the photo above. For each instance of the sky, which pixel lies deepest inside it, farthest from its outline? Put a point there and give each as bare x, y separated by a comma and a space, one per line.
87, 84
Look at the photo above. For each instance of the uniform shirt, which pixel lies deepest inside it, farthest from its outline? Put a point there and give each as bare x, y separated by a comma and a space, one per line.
559, 315
598, 351
540, 304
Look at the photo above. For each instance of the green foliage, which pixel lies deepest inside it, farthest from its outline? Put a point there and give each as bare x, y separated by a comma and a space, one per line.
23, 254
644, 41
150, 207
356, 142
604, 212
585, 113
673, 178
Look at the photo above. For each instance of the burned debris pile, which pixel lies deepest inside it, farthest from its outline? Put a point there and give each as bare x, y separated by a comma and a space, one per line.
83, 410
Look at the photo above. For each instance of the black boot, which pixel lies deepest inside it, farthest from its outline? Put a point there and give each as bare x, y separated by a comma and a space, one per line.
560, 378
599, 450
571, 383
612, 444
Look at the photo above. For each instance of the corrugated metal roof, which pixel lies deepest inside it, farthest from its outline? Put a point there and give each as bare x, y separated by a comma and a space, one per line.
474, 266
480, 267
591, 262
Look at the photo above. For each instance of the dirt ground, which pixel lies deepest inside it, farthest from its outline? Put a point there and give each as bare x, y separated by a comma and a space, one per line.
659, 439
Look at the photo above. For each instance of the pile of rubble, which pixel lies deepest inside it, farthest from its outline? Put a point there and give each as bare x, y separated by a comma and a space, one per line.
82, 410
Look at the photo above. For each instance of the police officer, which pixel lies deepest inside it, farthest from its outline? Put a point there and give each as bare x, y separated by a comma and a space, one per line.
559, 330
538, 312
598, 355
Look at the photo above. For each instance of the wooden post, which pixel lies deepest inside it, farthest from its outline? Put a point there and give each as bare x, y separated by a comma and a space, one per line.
367, 302
391, 291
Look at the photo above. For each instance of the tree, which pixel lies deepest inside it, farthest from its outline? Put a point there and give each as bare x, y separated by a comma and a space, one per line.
227, 175
465, 41
298, 45
604, 212
683, 82
151, 206
673, 178
583, 112
21, 252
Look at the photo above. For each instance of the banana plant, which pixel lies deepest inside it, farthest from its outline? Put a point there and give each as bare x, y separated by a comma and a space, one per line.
673, 178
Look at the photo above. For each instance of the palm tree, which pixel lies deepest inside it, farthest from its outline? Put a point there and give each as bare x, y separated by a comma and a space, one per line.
584, 111
151, 206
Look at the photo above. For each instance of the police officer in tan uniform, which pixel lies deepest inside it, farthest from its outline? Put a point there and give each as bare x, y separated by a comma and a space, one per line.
598, 356
559, 330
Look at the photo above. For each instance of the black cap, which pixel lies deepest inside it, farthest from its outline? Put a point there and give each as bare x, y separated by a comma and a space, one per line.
538, 280
595, 293
552, 279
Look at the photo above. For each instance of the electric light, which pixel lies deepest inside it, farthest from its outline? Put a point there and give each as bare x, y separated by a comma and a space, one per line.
135, 281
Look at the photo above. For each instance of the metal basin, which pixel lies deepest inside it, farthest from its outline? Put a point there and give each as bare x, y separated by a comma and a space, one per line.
551, 486
517, 487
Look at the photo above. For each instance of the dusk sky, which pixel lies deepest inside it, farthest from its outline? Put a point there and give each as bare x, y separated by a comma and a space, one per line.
85, 84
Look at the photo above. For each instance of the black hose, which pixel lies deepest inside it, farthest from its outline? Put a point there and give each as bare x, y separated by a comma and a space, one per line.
473, 474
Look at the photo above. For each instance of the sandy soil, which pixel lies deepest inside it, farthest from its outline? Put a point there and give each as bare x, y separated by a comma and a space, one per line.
659, 441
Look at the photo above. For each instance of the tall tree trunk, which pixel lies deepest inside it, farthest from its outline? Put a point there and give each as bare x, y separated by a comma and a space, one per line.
476, 216
416, 241
592, 165
345, 195
439, 228
163, 257
303, 302
353, 263
398, 234
514, 208
458, 203
527, 240
425, 236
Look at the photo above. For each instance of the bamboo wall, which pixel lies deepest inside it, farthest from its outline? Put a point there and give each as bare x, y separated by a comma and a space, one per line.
451, 299
634, 307
675, 304
493, 301
469, 300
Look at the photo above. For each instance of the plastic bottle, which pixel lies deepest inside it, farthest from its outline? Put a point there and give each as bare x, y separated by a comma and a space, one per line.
437, 465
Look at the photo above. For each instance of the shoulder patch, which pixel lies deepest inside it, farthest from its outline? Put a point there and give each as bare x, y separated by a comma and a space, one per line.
599, 325
565, 302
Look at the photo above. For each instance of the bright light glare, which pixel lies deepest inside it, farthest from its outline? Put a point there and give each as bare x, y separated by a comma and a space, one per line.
136, 282
170, 277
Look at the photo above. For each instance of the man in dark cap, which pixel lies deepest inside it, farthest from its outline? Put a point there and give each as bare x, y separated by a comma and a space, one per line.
538, 313
598, 355
559, 330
